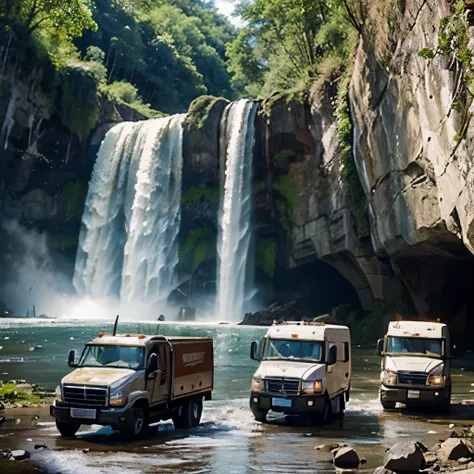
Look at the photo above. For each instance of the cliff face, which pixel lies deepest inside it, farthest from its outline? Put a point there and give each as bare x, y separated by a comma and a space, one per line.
414, 149
50, 134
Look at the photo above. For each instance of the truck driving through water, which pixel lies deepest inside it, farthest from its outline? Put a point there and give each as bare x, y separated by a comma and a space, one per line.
132, 381
415, 365
305, 369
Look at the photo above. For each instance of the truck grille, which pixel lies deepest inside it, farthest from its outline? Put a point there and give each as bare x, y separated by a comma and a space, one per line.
88, 396
412, 378
289, 386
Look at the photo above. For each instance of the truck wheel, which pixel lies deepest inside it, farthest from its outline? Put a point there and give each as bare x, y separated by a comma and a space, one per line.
68, 430
324, 416
387, 405
188, 415
136, 425
260, 415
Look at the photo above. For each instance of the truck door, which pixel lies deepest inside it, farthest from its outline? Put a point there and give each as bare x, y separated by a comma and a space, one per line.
158, 388
338, 373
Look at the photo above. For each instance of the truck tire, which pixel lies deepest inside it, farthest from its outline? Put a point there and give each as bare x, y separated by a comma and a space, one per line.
68, 430
260, 415
387, 405
188, 415
324, 416
136, 424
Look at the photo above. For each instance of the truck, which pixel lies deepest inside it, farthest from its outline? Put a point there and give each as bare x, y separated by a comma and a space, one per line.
415, 367
131, 381
305, 369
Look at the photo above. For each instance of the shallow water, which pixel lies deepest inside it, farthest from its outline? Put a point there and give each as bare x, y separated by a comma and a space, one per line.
228, 440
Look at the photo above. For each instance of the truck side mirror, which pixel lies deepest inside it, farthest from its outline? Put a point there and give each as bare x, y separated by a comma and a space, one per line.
152, 366
332, 355
254, 355
380, 347
71, 358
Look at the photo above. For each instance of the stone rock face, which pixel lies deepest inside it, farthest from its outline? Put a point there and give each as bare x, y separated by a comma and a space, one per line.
404, 457
305, 161
453, 449
346, 458
275, 313
417, 176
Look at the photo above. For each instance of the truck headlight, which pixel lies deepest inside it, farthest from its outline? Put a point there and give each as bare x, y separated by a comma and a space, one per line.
311, 388
117, 399
436, 380
257, 384
389, 377
57, 394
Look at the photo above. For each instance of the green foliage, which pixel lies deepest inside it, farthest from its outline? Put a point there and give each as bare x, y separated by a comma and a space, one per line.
199, 193
69, 17
78, 104
427, 53
349, 170
123, 91
266, 256
284, 41
453, 42
199, 247
95, 54
283, 159
74, 196
199, 110
12, 393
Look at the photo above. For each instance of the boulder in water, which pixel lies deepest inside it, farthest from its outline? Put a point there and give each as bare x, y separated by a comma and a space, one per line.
274, 313
453, 449
404, 457
20, 455
346, 458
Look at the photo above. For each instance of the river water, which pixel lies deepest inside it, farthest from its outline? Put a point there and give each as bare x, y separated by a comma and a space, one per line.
228, 439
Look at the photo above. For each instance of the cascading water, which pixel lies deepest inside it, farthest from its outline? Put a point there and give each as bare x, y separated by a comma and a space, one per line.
128, 240
237, 133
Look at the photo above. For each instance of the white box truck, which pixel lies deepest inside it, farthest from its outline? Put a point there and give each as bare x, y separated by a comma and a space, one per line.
415, 367
305, 369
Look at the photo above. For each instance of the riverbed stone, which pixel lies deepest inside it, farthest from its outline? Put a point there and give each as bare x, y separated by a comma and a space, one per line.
403, 457
453, 449
382, 470
347, 458
2, 406
20, 455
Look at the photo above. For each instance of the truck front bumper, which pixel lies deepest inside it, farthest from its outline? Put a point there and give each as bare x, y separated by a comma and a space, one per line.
104, 416
299, 404
432, 396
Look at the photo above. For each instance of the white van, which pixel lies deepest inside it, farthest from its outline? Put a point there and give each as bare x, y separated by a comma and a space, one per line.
415, 365
305, 369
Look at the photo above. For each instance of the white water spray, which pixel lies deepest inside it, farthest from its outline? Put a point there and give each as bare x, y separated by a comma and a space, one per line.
128, 240
237, 130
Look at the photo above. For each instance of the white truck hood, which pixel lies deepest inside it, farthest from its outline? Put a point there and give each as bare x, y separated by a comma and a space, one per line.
411, 363
289, 369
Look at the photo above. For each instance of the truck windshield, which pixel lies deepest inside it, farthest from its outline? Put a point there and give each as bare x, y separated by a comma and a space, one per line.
126, 357
291, 349
415, 345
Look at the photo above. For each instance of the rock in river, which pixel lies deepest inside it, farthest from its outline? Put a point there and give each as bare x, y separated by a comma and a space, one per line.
20, 455
404, 457
453, 449
346, 458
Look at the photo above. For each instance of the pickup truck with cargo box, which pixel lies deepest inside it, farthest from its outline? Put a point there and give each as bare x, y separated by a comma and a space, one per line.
131, 381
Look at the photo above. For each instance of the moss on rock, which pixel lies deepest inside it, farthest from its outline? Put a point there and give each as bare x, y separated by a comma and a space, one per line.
198, 193
200, 109
266, 256
198, 247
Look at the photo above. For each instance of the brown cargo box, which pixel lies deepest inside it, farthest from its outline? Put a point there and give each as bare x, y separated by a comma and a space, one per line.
193, 366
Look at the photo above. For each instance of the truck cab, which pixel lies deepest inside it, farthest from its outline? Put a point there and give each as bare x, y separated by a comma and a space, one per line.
305, 369
415, 368
132, 381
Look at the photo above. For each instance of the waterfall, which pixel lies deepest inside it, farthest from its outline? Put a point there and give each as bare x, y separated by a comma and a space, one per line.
237, 133
128, 239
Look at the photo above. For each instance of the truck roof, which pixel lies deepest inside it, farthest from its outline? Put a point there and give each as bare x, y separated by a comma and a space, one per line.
138, 339
429, 329
315, 332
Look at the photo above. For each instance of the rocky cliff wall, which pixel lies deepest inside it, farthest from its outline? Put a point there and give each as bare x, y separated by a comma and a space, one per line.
414, 147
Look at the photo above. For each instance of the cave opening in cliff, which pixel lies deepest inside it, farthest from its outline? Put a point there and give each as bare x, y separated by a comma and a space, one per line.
316, 286
439, 276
